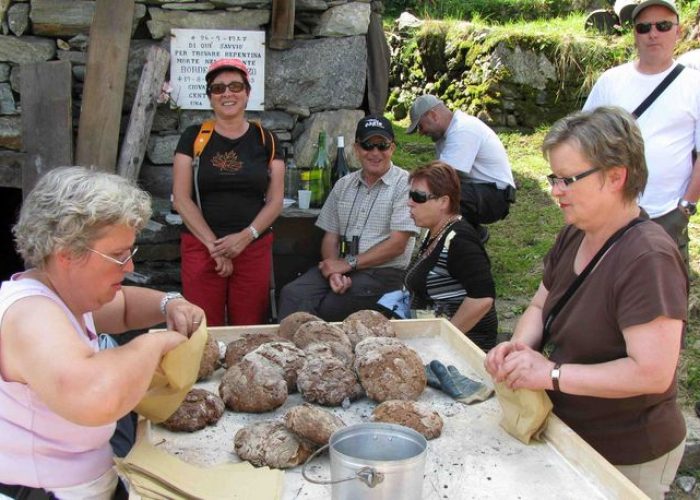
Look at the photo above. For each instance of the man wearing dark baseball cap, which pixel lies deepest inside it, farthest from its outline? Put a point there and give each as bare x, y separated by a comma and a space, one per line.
475, 152
369, 233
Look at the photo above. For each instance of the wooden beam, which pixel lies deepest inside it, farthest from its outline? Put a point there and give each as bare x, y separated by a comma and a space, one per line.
282, 32
47, 129
139, 129
103, 93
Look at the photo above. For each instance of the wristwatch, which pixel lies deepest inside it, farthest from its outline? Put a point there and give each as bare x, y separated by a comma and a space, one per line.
687, 207
352, 260
167, 298
555, 374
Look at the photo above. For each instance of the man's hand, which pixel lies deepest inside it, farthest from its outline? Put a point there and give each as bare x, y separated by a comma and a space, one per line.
339, 283
333, 266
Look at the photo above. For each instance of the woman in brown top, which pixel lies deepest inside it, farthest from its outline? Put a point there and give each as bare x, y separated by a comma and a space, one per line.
608, 358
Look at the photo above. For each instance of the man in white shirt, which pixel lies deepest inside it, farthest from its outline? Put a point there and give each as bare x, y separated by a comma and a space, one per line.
475, 151
670, 126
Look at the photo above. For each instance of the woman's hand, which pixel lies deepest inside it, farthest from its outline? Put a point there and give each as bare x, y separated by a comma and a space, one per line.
223, 266
183, 317
525, 368
495, 358
230, 246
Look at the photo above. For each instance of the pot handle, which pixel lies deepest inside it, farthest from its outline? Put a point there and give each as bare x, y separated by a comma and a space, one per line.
367, 475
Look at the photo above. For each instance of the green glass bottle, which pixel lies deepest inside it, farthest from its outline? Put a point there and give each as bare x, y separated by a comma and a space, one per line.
320, 173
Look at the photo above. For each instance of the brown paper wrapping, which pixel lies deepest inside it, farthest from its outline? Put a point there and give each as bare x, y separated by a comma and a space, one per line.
173, 379
525, 412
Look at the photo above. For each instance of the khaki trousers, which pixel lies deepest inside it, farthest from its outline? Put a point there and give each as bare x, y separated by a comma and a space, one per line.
654, 478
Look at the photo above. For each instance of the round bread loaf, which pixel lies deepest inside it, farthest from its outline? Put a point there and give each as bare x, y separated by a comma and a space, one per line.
319, 331
289, 325
284, 355
210, 359
418, 416
340, 350
254, 386
270, 443
374, 321
199, 409
248, 342
327, 381
388, 369
312, 423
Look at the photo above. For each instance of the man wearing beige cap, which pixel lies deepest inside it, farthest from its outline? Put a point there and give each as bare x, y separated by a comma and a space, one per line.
475, 151
670, 125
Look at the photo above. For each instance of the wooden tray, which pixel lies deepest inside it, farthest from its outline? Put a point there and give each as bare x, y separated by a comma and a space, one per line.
474, 457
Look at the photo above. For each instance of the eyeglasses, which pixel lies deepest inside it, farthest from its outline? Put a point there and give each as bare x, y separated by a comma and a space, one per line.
369, 146
421, 197
564, 182
662, 26
120, 263
220, 88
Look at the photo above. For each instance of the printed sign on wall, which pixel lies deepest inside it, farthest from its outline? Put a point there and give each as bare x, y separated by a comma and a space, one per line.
191, 53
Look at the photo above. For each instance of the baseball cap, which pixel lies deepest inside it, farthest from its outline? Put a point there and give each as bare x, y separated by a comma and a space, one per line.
669, 4
422, 104
232, 63
373, 125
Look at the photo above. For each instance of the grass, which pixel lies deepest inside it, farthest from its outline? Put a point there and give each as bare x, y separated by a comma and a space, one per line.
519, 242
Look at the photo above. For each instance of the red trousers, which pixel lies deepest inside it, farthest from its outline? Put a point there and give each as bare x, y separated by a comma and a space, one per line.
241, 298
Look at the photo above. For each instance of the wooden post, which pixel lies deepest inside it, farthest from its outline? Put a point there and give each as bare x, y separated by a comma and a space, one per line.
47, 129
138, 131
103, 93
282, 33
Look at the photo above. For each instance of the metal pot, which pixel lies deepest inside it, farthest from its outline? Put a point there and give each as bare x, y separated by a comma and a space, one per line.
375, 461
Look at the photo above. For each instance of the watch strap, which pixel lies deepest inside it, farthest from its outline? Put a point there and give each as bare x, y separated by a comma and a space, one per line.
555, 374
166, 299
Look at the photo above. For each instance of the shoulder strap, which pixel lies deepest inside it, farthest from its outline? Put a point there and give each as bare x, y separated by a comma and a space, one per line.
203, 137
658, 90
263, 138
546, 333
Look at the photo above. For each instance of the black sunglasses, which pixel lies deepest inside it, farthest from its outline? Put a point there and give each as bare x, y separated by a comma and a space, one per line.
369, 146
421, 196
567, 181
662, 26
220, 88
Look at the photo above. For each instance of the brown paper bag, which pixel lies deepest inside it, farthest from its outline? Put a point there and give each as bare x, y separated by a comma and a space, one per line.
525, 412
173, 379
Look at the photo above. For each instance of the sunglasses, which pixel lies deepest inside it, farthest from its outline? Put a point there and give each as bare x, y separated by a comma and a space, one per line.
662, 26
421, 196
220, 88
564, 182
369, 146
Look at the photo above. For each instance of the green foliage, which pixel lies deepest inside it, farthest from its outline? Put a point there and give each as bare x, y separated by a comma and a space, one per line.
492, 10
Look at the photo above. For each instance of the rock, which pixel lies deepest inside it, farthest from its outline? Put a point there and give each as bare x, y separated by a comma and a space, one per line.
138, 53
18, 18
73, 56
11, 132
190, 117
691, 455
79, 42
161, 148
28, 49
166, 118
157, 179
163, 21
686, 483
11, 164
525, 66
241, 3
69, 17
334, 123
4, 72
273, 120
311, 5
345, 20
7, 100
408, 21
307, 74
189, 6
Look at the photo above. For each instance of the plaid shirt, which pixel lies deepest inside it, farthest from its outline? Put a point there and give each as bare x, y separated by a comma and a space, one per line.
355, 209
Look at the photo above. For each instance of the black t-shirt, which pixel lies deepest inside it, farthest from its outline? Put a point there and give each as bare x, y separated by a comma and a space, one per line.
233, 176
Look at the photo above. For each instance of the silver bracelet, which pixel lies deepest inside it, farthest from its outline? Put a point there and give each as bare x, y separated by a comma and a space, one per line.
167, 298
254, 232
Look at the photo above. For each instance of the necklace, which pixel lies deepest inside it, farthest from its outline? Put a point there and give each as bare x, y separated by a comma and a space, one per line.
430, 241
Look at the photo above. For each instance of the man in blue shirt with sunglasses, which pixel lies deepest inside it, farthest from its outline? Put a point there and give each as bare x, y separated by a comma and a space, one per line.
670, 125
369, 234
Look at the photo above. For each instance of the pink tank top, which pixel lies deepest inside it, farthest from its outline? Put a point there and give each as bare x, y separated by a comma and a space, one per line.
37, 447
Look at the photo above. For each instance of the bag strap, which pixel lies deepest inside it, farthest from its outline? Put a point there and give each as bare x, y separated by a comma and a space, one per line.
546, 333
203, 137
658, 90
264, 142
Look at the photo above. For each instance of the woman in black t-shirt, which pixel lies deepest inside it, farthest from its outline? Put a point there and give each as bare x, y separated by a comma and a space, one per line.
228, 198
451, 274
